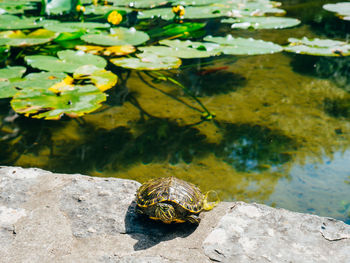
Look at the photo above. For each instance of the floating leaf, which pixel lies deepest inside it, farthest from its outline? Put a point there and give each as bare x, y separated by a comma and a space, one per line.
38, 81
262, 22
68, 61
15, 7
108, 51
194, 2
11, 22
180, 30
148, 61
105, 9
140, 3
120, 36
20, 39
244, 46
52, 106
318, 47
75, 26
7, 76
101, 78
184, 49
342, 9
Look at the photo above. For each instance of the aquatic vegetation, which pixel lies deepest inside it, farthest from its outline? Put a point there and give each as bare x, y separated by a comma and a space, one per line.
342, 9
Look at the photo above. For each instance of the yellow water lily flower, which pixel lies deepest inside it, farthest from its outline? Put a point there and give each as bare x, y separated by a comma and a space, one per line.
114, 18
179, 10
80, 8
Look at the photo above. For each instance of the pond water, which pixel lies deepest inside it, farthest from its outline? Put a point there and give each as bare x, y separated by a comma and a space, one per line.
281, 135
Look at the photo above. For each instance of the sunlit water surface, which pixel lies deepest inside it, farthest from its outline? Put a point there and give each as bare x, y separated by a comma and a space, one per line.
281, 135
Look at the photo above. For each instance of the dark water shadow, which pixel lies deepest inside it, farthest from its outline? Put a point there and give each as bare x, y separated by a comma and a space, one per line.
211, 80
254, 148
149, 233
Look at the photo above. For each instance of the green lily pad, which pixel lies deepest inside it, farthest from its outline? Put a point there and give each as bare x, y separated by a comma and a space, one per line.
148, 61
318, 47
7, 76
67, 61
342, 9
74, 26
194, 2
262, 22
120, 36
101, 78
181, 30
140, 3
52, 106
11, 22
15, 7
20, 39
39, 81
244, 46
105, 9
184, 49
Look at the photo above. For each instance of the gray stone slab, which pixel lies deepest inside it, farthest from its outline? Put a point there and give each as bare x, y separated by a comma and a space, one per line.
258, 233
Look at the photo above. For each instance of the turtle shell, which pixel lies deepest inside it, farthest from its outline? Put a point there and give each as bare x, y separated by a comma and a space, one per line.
170, 190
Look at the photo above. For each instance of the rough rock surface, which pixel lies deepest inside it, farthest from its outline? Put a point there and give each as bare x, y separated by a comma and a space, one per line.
47, 217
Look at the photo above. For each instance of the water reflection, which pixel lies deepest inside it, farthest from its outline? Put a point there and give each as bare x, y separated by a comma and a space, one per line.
255, 148
322, 187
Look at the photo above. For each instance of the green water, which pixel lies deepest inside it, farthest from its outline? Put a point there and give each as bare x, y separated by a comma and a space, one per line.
281, 135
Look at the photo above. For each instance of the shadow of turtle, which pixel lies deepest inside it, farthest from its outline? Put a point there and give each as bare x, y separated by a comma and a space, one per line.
149, 233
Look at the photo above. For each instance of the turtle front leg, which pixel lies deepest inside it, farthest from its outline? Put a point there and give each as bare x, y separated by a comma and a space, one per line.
194, 219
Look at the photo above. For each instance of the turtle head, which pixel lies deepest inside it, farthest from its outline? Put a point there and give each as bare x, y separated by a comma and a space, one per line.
165, 212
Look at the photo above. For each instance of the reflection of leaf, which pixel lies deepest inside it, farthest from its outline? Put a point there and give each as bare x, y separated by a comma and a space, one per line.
68, 61
262, 22
11, 22
244, 46
101, 78
120, 36
18, 38
49, 105
318, 47
342, 9
148, 61
107, 51
57, 7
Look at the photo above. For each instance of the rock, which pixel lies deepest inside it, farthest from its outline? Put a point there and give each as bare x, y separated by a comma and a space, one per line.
47, 217
258, 233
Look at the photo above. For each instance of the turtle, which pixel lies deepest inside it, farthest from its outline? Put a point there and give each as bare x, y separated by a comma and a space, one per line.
170, 199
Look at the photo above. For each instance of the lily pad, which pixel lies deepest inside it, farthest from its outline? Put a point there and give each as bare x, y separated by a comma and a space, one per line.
342, 9
15, 7
7, 76
101, 78
244, 46
11, 22
148, 61
120, 36
182, 30
262, 22
107, 51
75, 26
52, 106
184, 49
318, 47
105, 9
67, 61
20, 39
140, 3
38, 81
